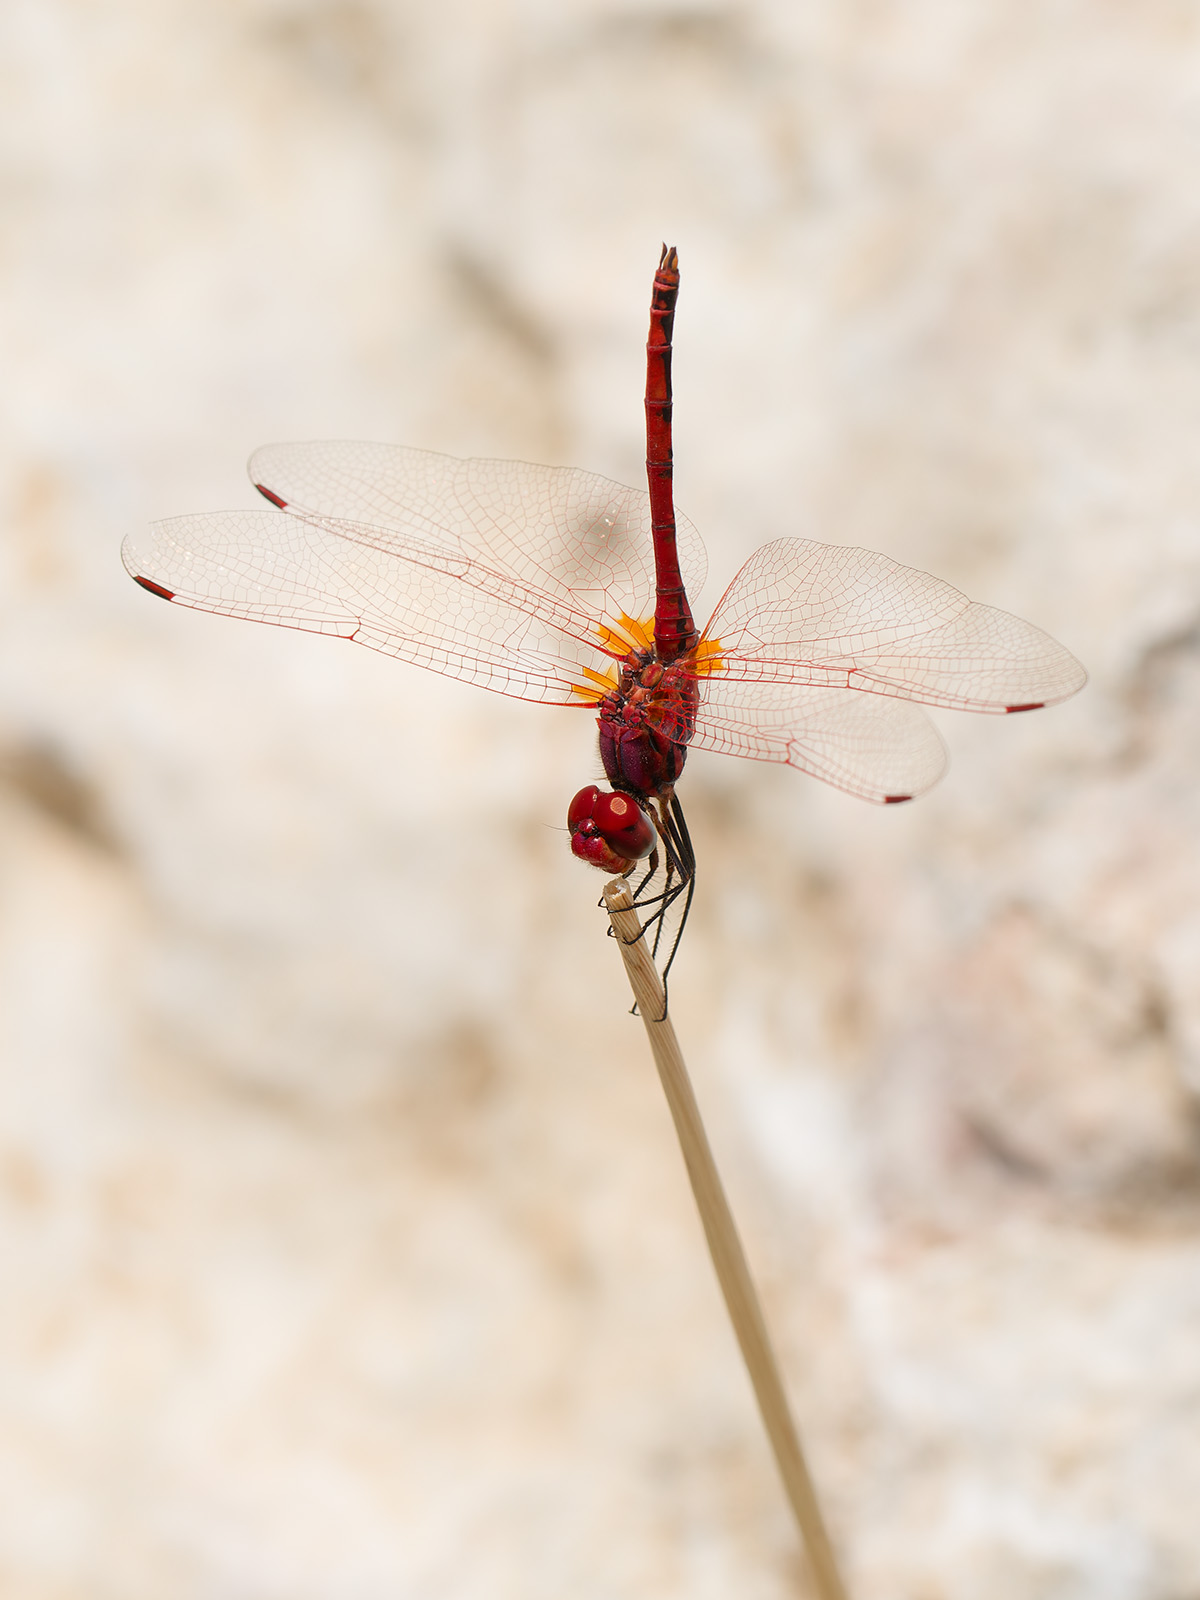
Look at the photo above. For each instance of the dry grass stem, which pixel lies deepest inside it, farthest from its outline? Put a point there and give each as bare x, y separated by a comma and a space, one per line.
724, 1245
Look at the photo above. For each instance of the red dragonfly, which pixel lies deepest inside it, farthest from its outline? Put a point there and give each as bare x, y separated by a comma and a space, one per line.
550, 584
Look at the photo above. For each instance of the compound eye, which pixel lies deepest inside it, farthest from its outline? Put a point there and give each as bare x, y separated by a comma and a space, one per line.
617, 819
625, 827
581, 808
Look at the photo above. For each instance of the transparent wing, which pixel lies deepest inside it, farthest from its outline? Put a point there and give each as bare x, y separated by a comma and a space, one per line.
805, 613
877, 749
420, 603
556, 530
495, 572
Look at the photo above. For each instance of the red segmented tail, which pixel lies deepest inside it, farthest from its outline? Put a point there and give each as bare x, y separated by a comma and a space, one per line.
674, 630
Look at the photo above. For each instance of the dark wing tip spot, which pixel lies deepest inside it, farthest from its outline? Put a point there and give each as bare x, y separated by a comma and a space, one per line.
154, 588
269, 494
1032, 705
896, 799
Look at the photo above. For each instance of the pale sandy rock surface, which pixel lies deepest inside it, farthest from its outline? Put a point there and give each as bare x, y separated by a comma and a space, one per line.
344, 1249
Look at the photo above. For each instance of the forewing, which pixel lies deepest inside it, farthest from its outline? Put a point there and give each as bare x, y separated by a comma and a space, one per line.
883, 750
805, 613
571, 535
421, 602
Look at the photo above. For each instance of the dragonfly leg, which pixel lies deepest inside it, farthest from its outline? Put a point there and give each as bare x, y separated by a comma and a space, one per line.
686, 857
679, 862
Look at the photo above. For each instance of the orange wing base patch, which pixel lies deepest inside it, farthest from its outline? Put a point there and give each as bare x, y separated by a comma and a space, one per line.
634, 633
708, 658
599, 685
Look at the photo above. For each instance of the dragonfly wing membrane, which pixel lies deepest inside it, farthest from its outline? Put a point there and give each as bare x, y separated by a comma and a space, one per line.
830, 615
880, 750
418, 602
983, 660
562, 532
244, 564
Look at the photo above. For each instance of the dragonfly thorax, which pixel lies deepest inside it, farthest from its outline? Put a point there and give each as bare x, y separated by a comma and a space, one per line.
647, 722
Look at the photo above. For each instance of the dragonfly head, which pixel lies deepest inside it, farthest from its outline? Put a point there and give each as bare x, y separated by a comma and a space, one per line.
609, 831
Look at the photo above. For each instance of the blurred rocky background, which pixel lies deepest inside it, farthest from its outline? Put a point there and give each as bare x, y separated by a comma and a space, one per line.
345, 1250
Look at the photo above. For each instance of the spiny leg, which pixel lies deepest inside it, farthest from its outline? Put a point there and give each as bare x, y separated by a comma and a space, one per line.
680, 871
676, 867
686, 856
